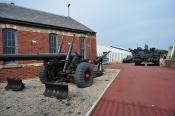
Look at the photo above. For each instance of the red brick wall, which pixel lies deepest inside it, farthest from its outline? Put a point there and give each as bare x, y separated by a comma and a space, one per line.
22, 73
65, 40
25, 46
88, 48
93, 48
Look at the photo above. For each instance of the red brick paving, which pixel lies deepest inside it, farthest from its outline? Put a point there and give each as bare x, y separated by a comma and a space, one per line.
139, 91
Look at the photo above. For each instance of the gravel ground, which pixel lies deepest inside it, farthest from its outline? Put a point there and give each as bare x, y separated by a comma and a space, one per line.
31, 102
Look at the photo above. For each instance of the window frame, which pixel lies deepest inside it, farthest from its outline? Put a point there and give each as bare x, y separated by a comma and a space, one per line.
82, 47
53, 47
9, 43
6, 41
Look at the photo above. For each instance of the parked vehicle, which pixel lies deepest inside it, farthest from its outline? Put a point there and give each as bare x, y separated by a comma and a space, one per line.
145, 55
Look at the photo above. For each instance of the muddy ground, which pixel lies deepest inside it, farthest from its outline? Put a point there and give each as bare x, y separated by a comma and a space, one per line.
31, 102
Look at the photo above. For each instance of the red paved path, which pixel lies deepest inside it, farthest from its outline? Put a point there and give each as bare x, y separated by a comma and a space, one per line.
139, 91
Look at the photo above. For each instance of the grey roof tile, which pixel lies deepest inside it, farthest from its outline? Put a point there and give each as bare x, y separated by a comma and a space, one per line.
19, 13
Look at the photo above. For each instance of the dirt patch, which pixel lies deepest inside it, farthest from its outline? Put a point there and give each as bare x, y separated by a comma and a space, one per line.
31, 101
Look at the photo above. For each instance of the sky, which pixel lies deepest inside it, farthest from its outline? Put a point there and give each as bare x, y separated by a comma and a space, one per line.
122, 23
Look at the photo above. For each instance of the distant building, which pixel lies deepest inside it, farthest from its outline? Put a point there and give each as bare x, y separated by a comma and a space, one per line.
24, 30
114, 55
171, 51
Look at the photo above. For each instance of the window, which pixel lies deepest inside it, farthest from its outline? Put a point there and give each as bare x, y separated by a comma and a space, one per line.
9, 41
53, 43
82, 51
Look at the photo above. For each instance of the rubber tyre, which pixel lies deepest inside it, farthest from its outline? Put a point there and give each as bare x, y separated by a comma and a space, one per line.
137, 63
79, 77
43, 75
156, 63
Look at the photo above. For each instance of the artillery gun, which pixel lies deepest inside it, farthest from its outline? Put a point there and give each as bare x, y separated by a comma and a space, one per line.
145, 55
57, 69
99, 62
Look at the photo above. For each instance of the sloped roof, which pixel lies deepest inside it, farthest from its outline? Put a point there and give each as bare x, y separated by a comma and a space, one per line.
18, 13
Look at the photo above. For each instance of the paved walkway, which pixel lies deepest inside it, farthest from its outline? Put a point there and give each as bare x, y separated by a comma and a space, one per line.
139, 91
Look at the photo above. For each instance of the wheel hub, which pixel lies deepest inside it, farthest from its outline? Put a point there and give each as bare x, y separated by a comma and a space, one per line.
87, 75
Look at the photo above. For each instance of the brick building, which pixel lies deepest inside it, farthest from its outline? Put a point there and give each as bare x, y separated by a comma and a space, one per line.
28, 31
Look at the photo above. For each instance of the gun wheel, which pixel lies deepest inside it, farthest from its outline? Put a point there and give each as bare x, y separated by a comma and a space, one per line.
84, 75
137, 63
156, 63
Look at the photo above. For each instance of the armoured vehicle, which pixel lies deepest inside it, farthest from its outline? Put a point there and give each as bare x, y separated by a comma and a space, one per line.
145, 55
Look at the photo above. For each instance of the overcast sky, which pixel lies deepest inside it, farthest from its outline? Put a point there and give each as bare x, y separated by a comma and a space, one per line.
123, 23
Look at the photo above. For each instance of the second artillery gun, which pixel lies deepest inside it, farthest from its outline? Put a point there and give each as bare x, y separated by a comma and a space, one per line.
58, 69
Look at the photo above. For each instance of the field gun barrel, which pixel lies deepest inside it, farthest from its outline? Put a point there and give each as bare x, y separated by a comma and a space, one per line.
45, 57
121, 49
